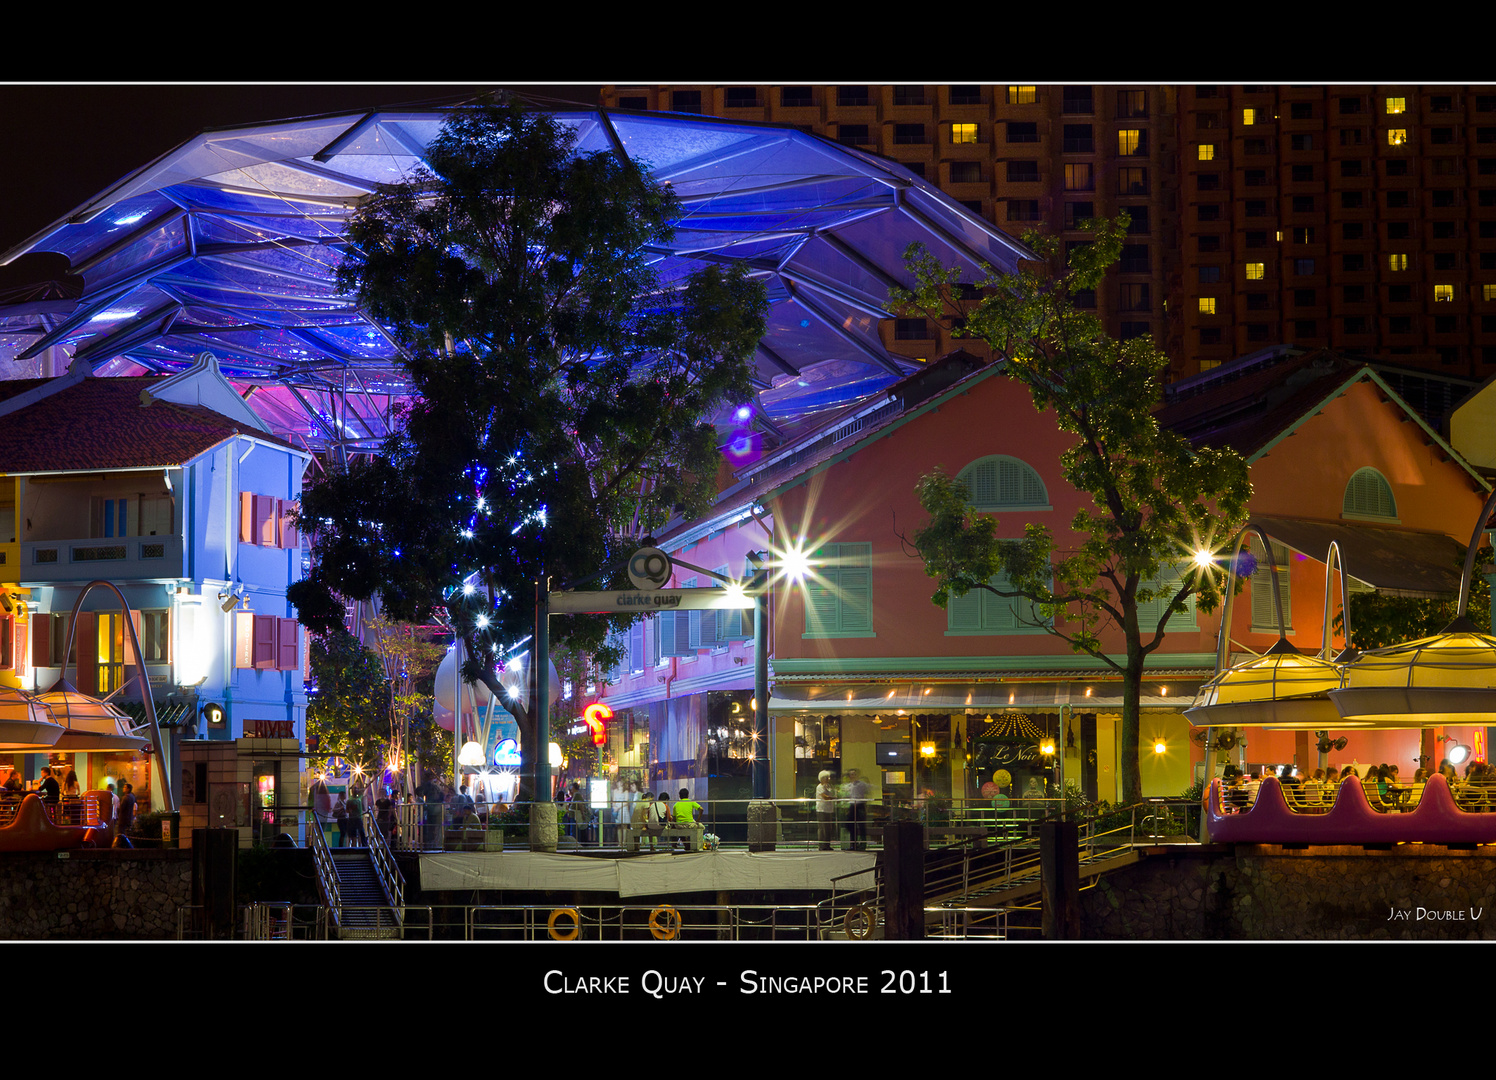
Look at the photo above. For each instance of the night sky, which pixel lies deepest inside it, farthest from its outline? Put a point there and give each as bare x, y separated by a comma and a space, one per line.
66, 143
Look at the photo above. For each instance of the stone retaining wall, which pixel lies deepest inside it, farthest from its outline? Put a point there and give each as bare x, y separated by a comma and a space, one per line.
1415, 892
106, 895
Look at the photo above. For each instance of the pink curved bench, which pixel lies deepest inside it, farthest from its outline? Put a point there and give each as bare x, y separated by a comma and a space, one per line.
32, 830
1436, 820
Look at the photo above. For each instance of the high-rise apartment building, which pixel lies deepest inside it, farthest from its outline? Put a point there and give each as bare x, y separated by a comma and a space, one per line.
1023, 157
1360, 218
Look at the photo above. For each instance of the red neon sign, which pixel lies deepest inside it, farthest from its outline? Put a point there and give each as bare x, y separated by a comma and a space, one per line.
595, 715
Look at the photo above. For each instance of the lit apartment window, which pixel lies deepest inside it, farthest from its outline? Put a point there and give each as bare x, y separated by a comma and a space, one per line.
1022, 95
1130, 141
1488, 292
1249, 117
1207, 151
1397, 136
1396, 105
963, 133
1397, 262
1078, 177
1256, 271
1207, 305
1443, 294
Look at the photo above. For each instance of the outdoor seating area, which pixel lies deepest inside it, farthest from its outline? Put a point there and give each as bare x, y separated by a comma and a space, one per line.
1436, 814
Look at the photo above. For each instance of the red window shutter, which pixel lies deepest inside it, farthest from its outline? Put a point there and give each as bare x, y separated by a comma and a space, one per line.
265, 641
21, 651
41, 639
7, 641
246, 518
288, 655
265, 521
86, 649
289, 536
131, 658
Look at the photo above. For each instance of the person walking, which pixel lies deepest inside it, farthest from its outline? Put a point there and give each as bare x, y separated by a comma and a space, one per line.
340, 817
857, 792
356, 836
826, 810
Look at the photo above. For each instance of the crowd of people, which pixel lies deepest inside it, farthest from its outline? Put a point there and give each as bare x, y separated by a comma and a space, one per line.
64, 800
1385, 790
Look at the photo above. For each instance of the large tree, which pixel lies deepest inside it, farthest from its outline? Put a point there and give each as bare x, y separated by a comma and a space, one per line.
1154, 500
562, 390
346, 702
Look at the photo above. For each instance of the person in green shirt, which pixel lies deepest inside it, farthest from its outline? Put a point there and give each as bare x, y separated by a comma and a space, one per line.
686, 810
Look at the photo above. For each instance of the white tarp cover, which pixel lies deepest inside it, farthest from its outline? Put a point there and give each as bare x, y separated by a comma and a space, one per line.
647, 875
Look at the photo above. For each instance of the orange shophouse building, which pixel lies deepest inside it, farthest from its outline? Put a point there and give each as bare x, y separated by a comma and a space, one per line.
867, 673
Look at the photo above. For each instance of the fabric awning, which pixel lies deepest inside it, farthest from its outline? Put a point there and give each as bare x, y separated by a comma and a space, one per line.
1398, 561
1164, 692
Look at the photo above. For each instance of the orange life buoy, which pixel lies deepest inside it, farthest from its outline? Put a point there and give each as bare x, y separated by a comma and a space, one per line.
664, 922
576, 924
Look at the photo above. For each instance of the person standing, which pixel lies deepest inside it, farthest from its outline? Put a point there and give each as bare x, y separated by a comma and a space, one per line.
127, 809
642, 824
826, 810
356, 818
340, 817
857, 792
49, 789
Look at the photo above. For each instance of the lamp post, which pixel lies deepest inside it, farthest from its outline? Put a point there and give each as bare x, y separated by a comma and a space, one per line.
762, 814
543, 836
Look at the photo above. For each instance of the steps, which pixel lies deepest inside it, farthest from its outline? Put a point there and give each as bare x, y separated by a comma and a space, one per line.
366, 911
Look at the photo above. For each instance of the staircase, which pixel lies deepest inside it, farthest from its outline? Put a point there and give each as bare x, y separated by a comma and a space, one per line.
965, 884
361, 888
365, 910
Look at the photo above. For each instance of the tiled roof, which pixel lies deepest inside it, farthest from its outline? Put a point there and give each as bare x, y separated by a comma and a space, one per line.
1249, 412
100, 424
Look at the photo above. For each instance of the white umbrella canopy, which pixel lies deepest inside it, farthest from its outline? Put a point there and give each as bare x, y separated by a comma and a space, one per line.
89, 723
25, 723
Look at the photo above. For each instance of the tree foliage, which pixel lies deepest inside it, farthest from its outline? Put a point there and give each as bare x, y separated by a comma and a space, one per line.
348, 711
1154, 498
563, 392
1379, 620
409, 660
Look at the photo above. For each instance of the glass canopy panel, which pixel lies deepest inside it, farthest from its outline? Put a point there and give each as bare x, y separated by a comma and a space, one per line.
824, 385
291, 178
269, 200
240, 228
156, 247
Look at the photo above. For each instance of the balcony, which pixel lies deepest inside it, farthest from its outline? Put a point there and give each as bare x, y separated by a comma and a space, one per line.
114, 558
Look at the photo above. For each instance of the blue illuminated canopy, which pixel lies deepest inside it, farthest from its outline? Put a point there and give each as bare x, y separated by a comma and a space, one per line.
229, 244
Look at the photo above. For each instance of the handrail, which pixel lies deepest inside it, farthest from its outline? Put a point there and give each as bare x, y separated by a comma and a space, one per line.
327, 875
390, 878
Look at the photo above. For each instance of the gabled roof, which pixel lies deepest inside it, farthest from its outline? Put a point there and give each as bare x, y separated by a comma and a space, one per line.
818, 449
1252, 413
102, 423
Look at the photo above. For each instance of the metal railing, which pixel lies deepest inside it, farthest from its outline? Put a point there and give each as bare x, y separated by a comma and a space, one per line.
432, 827
626, 922
390, 878
327, 874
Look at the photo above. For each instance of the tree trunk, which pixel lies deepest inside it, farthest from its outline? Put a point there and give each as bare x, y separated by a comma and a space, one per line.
1127, 750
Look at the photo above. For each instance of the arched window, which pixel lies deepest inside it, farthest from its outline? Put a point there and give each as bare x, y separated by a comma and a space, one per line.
1000, 482
1368, 495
